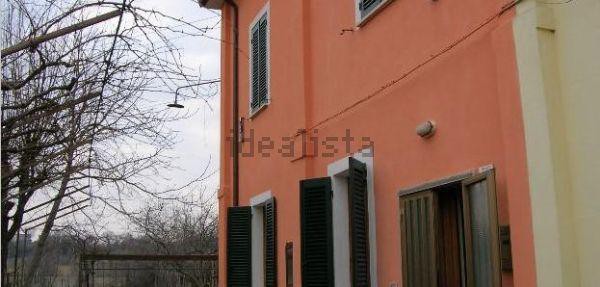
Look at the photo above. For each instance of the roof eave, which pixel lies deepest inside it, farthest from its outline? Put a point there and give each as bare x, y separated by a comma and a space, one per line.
211, 4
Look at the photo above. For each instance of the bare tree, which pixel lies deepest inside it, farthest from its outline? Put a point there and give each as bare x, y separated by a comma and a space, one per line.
82, 112
181, 230
162, 229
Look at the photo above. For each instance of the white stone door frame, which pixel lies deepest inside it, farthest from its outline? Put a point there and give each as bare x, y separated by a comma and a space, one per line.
338, 171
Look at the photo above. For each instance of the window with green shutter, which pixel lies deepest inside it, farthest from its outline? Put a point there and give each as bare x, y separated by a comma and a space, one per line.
270, 237
359, 223
365, 9
239, 261
259, 66
316, 233
367, 6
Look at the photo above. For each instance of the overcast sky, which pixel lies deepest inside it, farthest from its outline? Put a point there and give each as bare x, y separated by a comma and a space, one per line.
197, 149
198, 135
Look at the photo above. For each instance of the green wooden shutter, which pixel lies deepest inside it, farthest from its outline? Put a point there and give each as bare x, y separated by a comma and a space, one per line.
481, 231
254, 103
417, 219
260, 80
263, 82
270, 224
359, 223
239, 261
316, 232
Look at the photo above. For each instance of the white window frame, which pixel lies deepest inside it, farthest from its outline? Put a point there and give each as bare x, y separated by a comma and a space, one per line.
338, 171
257, 204
360, 20
266, 10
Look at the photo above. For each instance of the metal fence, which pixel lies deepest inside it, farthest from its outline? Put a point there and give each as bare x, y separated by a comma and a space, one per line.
100, 270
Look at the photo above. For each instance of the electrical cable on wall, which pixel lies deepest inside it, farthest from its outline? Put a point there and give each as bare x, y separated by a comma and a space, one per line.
432, 57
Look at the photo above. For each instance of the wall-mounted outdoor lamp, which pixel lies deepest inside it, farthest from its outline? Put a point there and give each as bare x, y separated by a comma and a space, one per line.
175, 104
426, 129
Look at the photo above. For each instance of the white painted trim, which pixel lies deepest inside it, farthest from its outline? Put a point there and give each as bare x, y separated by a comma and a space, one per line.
257, 234
360, 21
264, 10
341, 225
338, 171
261, 198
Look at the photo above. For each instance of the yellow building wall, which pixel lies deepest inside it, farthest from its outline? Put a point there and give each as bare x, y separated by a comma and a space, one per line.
558, 57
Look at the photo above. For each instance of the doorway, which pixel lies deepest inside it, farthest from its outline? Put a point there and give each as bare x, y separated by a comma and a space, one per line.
449, 233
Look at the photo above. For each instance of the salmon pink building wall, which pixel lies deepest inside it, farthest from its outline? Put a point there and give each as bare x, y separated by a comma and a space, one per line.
452, 62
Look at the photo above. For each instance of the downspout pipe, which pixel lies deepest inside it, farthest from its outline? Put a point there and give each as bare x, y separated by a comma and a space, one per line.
235, 107
235, 142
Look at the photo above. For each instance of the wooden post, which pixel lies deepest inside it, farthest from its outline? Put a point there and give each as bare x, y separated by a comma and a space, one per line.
32, 42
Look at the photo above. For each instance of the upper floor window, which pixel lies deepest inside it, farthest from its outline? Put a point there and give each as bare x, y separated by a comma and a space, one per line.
367, 8
259, 61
